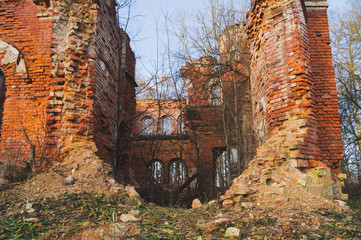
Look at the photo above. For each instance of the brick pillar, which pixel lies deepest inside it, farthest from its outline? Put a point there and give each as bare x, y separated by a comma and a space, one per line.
326, 102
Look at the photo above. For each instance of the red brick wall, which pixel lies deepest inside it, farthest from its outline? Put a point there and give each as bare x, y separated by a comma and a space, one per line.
165, 148
326, 102
23, 27
293, 86
64, 92
113, 85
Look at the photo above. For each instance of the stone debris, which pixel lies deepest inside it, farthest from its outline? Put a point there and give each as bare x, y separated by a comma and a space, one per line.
196, 203
232, 233
132, 192
29, 208
207, 227
69, 180
227, 203
247, 204
212, 203
128, 218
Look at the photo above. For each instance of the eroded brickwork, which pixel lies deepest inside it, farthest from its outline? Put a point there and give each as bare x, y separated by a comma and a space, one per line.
293, 86
64, 76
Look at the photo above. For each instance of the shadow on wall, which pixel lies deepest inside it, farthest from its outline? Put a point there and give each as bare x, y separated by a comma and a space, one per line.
2, 96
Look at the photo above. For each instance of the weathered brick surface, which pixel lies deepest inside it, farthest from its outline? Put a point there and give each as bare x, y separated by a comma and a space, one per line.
293, 85
327, 116
26, 91
68, 92
165, 148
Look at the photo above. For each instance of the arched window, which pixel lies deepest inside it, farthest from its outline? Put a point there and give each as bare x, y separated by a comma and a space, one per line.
2, 96
165, 126
216, 95
177, 171
147, 126
181, 124
156, 171
223, 177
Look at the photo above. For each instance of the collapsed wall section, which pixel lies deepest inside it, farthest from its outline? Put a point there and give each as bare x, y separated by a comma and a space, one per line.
281, 74
71, 105
64, 81
114, 106
294, 97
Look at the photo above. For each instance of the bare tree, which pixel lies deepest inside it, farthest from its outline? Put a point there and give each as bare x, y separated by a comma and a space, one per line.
218, 34
346, 43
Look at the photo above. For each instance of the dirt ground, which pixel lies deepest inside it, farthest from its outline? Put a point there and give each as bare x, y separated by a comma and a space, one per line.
78, 199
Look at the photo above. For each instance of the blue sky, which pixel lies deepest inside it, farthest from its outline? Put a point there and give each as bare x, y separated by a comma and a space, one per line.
142, 28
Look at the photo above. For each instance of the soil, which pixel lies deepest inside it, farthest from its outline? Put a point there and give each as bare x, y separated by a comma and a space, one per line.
78, 199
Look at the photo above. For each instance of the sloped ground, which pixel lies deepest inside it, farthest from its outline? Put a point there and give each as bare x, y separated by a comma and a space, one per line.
78, 200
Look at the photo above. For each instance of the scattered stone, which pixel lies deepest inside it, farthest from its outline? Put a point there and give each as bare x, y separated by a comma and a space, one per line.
207, 227
120, 229
134, 212
111, 181
116, 189
247, 204
239, 189
212, 203
196, 203
31, 220
301, 182
29, 208
131, 192
237, 199
232, 233
222, 221
227, 203
339, 202
69, 180
128, 218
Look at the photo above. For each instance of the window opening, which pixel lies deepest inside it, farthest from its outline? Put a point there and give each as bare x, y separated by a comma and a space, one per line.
147, 126
181, 124
2, 96
165, 126
156, 172
223, 177
216, 94
177, 171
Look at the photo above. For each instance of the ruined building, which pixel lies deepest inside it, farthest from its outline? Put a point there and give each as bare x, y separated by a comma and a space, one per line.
290, 108
67, 77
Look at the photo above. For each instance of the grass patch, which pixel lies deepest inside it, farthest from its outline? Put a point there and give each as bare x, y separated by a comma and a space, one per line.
63, 215
354, 202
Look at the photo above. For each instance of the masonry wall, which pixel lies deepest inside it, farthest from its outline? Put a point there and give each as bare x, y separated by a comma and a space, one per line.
293, 86
62, 82
148, 147
328, 121
25, 55
114, 105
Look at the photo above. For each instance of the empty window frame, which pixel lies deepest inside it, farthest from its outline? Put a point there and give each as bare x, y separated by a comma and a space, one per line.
181, 125
156, 171
147, 126
177, 171
222, 163
216, 95
165, 127
2, 96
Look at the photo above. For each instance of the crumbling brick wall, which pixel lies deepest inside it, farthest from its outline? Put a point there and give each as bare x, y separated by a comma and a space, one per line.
25, 49
293, 85
66, 76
